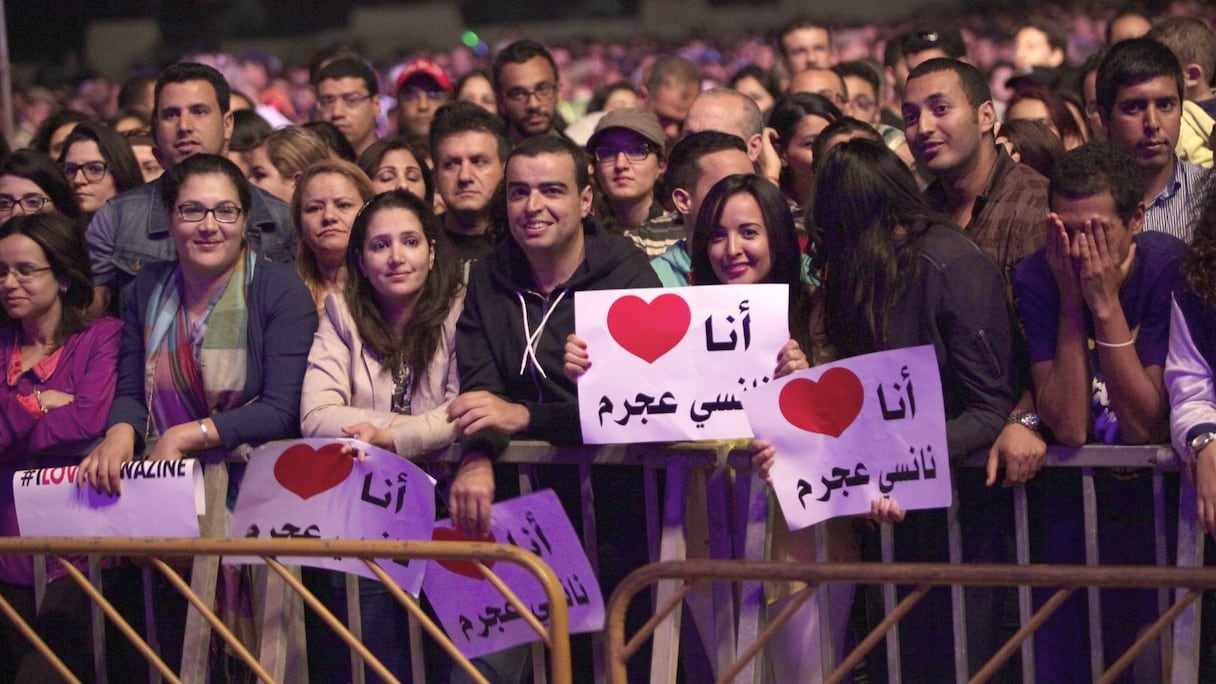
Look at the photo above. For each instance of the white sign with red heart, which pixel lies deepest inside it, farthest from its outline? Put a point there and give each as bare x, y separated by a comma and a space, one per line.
849, 432
672, 365
309, 489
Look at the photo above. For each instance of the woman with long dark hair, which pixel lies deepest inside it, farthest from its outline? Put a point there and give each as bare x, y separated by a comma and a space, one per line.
59, 363
899, 275
383, 370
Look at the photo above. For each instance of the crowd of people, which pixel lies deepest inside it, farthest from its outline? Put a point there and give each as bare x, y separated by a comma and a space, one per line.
392, 255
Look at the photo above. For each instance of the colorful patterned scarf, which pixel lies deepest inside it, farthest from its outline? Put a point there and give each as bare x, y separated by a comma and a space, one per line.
196, 368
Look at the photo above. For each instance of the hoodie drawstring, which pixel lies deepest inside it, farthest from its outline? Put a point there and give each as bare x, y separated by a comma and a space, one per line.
533, 337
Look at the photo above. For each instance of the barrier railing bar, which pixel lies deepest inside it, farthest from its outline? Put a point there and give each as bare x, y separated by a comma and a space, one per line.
649, 627
591, 546
1021, 531
889, 596
871, 640
121, 624
827, 646
1089, 505
1185, 660
329, 619
426, 550
417, 666
1019, 638
1060, 576
354, 623
152, 639
523, 610
1162, 553
958, 599
718, 520
410, 604
664, 661
97, 622
755, 545
1155, 630
216, 623
796, 602
39, 645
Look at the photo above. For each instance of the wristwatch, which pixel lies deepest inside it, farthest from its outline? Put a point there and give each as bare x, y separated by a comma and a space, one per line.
1027, 419
1201, 441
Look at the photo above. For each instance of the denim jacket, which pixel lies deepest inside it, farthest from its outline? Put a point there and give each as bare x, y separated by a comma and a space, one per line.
132, 230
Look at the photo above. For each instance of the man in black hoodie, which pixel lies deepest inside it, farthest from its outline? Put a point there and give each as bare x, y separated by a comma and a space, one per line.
518, 310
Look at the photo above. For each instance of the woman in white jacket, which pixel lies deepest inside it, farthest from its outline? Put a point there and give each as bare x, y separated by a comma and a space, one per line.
382, 369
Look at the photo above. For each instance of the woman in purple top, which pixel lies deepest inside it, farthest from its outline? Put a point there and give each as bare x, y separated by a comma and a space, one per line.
59, 369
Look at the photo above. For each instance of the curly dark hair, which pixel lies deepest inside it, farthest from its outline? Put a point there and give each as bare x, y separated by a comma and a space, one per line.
1199, 270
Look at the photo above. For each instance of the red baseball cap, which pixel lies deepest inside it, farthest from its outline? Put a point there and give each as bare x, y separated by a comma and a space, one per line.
427, 69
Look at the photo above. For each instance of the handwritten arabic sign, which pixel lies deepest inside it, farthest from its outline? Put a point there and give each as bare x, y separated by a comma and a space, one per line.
850, 432
480, 620
309, 489
159, 499
673, 365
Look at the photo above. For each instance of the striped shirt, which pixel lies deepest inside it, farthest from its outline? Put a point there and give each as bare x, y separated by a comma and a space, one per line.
1174, 210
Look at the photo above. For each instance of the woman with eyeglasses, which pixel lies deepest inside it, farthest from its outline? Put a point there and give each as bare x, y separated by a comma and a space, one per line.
383, 369
627, 158
99, 164
326, 201
59, 364
215, 343
213, 352
31, 183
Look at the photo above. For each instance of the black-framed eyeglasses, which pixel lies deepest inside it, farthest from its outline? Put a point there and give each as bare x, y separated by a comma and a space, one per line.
93, 171
634, 153
543, 92
24, 273
224, 213
28, 203
327, 102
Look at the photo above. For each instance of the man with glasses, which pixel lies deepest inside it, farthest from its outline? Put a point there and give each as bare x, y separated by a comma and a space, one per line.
863, 83
525, 82
348, 96
626, 150
422, 88
191, 116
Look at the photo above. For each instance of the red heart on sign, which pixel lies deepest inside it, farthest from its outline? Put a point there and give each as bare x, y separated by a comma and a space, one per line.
463, 568
648, 331
307, 472
826, 407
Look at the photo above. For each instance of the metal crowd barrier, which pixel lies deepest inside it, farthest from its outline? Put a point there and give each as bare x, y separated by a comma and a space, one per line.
751, 633
555, 638
713, 506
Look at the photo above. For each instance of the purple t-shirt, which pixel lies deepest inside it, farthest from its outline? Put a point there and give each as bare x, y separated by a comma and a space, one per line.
1146, 305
